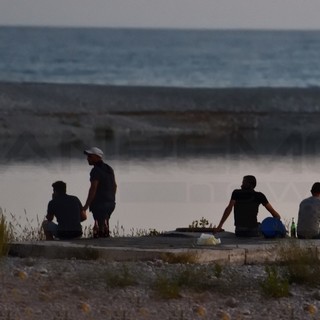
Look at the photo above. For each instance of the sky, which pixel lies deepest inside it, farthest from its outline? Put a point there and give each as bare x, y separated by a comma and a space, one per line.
199, 14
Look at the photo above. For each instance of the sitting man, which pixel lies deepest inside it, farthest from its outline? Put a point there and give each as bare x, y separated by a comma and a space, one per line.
309, 215
246, 203
69, 214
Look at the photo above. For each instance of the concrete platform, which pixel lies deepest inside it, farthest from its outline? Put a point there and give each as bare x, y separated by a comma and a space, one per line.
231, 250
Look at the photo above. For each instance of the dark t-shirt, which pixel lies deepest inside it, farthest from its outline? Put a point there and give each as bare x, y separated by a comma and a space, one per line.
246, 207
67, 210
107, 185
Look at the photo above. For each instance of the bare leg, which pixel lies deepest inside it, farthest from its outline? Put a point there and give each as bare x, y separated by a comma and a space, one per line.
48, 234
96, 229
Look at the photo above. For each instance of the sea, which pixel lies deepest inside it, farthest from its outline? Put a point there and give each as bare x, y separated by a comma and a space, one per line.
151, 57
165, 193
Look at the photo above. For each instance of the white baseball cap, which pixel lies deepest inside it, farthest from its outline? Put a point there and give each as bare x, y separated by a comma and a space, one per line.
94, 150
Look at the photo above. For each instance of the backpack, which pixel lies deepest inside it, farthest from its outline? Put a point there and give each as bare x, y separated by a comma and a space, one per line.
273, 228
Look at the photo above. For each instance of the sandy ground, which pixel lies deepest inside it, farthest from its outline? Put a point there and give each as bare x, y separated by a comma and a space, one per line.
76, 289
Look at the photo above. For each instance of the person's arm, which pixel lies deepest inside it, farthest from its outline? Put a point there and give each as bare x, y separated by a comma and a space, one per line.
91, 194
50, 210
225, 215
83, 215
50, 216
115, 187
273, 212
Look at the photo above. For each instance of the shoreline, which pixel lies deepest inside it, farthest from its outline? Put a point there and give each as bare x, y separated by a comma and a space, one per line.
154, 98
52, 119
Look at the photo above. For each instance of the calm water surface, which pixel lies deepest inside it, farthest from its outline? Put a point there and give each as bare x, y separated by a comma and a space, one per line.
187, 58
162, 194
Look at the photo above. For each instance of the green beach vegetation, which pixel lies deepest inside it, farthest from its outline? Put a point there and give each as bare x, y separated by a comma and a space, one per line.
297, 264
5, 235
301, 263
275, 285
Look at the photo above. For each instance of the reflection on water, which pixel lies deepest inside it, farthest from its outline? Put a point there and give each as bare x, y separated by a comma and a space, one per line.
163, 194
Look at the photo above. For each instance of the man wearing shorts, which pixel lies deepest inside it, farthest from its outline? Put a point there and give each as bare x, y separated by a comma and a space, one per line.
102, 191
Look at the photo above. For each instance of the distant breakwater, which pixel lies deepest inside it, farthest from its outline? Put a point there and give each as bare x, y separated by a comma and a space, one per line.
54, 120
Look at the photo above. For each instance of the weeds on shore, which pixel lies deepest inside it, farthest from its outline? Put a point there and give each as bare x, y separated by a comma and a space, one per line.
202, 223
190, 278
30, 230
299, 264
5, 236
275, 285
119, 231
166, 288
183, 257
24, 229
302, 264
121, 279
167, 282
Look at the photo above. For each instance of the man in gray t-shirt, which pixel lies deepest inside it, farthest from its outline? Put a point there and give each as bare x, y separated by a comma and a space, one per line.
309, 215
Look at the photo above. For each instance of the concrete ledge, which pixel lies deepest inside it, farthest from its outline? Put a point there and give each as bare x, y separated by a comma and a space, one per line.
65, 250
133, 249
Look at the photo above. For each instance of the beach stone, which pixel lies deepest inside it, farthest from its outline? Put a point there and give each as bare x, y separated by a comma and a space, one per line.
232, 302
310, 308
143, 312
246, 312
20, 274
29, 262
316, 295
223, 315
43, 296
158, 263
85, 307
77, 290
43, 271
199, 310
28, 311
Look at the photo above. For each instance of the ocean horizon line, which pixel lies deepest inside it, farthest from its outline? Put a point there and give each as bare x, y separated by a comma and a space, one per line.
142, 86
142, 28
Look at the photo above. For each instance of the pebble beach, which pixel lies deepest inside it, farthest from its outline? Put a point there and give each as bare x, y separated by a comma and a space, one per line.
37, 288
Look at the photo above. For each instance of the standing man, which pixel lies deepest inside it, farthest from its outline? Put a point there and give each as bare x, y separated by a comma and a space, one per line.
246, 203
309, 215
68, 211
102, 192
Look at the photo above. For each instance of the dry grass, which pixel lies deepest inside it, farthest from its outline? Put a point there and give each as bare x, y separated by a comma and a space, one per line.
194, 278
24, 229
5, 236
299, 264
302, 263
120, 279
182, 257
275, 285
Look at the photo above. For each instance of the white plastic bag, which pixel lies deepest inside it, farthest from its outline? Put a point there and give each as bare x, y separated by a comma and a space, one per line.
208, 240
